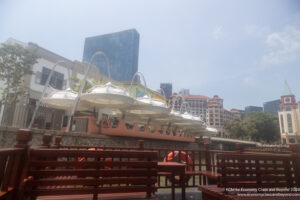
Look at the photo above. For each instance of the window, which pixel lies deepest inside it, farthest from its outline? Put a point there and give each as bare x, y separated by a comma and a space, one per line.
57, 79
282, 124
290, 123
291, 140
65, 121
287, 100
283, 141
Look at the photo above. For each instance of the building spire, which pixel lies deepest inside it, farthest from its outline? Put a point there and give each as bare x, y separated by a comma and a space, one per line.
286, 90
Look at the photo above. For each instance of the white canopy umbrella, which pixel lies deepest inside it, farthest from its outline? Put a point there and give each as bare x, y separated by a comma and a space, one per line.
212, 130
186, 121
63, 99
146, 106
108, 96
60, 99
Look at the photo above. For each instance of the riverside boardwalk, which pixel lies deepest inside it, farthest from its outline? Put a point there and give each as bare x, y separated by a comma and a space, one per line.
55, 171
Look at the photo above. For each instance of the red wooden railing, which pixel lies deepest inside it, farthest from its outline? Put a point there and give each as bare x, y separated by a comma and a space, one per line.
12, 165
13, 161
202, 159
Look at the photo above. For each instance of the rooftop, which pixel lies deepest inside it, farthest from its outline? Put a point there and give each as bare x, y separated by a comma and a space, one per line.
286, 90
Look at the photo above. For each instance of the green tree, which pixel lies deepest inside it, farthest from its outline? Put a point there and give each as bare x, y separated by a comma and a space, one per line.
234, 127
257, 126
15, 63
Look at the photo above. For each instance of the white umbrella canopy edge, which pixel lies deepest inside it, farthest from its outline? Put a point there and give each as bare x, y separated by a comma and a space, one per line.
108, 95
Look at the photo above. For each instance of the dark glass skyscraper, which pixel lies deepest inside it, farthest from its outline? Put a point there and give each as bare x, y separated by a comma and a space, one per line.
167, 88
272, 107
122, 50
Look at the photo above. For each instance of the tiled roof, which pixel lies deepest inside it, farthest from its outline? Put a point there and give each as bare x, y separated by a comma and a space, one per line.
234, 111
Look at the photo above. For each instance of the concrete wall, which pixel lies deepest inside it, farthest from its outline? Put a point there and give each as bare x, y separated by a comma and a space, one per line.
8, 135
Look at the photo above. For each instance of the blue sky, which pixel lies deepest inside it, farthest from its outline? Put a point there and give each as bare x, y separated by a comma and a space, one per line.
241, 50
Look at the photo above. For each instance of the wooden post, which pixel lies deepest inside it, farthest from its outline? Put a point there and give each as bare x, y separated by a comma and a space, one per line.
207, 156
207, 160
206, 141
141, 144
57, 141
47, 139
295, 148
239, 148
23, 138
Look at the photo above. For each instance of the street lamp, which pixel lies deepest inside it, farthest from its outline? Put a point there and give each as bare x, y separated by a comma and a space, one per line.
83, 85
45, 88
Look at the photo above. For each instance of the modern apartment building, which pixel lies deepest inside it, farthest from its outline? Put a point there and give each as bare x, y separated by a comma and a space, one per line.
122, 50
289, 117
217, 116
196, 103
237, 113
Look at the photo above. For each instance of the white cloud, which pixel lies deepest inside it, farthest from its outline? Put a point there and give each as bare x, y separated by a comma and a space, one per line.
250, 81
256, 31
283, 46
217, 32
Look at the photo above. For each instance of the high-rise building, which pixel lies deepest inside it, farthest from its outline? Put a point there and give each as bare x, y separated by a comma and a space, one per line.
250, 109
217, 116
184, 91
272, 107
167, 88
289, 114
122, 50
197, 103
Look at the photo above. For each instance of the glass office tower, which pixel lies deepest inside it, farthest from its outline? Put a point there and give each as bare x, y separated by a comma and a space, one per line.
122, 50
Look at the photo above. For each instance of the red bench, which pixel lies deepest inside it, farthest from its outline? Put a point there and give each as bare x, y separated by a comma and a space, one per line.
250, 175
58, 172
